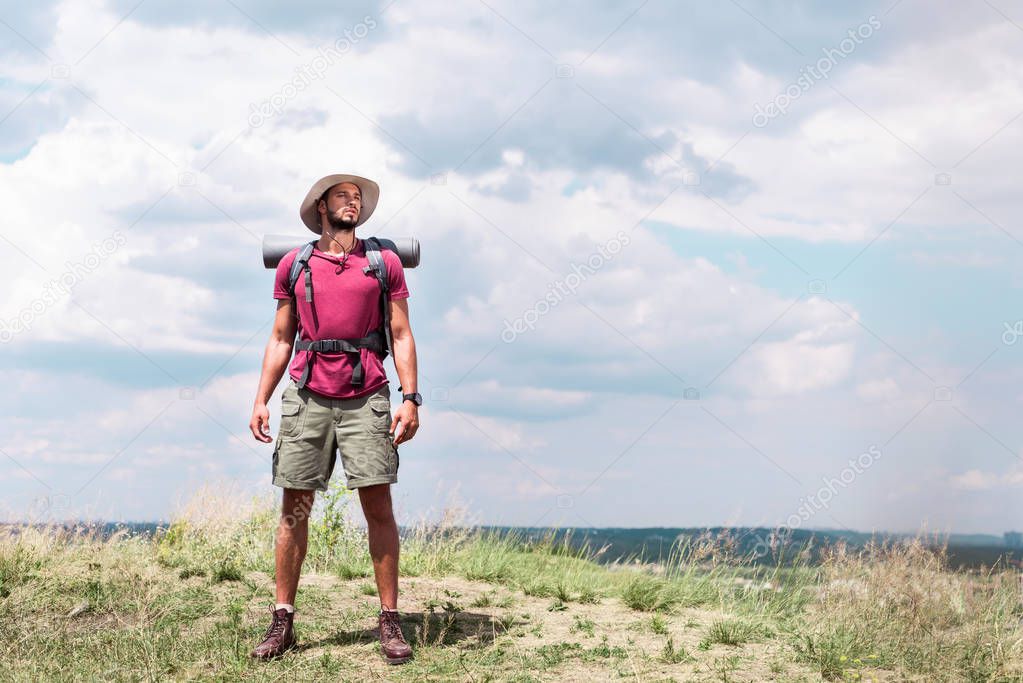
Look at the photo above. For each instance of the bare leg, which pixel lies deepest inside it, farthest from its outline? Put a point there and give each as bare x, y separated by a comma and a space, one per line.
292, 541
383, 541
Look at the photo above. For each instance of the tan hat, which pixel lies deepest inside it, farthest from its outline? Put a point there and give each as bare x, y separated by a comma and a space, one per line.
370, 194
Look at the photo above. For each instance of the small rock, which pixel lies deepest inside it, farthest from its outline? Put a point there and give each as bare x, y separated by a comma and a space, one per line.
78, 609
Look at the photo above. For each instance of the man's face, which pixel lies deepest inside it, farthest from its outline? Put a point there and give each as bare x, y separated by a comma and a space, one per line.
343, 205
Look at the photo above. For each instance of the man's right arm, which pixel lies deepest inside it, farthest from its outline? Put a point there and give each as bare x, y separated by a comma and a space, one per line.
275, 362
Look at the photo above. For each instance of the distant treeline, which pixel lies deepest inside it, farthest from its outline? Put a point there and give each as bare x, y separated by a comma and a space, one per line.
760, 545
656, 544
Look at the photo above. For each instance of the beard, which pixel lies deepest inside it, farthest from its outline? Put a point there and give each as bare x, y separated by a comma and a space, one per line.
342, 223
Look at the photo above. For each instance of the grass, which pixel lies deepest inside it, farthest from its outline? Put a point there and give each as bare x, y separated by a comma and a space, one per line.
190, 603
658, 624
675, 655
731, 632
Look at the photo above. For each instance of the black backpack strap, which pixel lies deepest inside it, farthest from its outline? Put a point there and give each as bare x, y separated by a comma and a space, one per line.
373, 341
379, 267
301, 263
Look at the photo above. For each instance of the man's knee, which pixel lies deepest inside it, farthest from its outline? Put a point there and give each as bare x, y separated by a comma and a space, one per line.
376, 503
297, 507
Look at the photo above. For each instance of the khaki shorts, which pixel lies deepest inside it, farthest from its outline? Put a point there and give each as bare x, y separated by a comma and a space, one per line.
315, 427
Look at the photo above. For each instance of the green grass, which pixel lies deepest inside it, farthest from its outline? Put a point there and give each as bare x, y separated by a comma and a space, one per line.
190, 603
675, 655
731, 632
582, 625
648, 593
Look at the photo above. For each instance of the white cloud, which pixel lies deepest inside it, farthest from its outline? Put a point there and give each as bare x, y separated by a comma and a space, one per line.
886, 389
478, 433
794, 368
978, 480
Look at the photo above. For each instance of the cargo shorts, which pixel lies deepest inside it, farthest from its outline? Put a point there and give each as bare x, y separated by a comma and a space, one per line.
315, 427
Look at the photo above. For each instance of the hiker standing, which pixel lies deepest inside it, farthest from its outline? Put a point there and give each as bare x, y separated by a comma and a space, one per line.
345, 297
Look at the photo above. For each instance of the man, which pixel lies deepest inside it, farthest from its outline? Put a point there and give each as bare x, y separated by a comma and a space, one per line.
337, 400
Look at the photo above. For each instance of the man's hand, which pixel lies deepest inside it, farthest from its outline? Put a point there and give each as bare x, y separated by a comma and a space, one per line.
260, 423
407, 416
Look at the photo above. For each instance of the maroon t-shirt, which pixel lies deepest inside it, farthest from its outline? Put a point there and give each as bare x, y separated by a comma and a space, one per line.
345, 305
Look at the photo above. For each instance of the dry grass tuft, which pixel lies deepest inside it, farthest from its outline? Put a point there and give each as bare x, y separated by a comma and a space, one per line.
898, 605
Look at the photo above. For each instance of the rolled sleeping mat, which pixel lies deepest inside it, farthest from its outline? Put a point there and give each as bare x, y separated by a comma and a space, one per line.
275, 247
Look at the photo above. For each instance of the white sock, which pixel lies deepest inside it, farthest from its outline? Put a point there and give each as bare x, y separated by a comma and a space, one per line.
387, 609
290, 608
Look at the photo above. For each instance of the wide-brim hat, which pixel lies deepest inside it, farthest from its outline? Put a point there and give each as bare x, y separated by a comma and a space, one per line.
369, 190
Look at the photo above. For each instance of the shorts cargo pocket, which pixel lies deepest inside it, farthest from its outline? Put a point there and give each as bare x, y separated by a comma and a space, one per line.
380, 413
291, 416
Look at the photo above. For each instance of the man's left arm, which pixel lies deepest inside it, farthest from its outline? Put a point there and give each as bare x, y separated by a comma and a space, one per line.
404, 346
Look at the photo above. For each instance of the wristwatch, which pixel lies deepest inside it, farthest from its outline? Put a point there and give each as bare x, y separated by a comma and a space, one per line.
416, 398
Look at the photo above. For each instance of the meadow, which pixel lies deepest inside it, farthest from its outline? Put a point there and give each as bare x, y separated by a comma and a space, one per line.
189, 603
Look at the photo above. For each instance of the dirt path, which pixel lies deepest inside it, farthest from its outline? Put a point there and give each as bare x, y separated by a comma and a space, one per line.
516, 634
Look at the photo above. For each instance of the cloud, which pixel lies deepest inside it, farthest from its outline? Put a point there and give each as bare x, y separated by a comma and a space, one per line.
29, 28
312, 19
974, 259
978, 480
795, 367
496, 398
886, 389
514, 187
564, 126
30, 109
486, 434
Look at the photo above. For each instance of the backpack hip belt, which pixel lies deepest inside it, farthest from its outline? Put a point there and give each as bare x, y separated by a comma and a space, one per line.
373, 341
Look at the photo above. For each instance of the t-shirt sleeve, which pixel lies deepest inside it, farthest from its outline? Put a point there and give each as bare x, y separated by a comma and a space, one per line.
281, 277
395, 276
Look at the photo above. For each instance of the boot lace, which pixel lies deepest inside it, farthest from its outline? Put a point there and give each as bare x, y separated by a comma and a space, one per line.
391, 627
277, 626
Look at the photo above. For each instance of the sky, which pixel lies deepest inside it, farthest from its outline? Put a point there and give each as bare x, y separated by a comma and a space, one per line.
683, 263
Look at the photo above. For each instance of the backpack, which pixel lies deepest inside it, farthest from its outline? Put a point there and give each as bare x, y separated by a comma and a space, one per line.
378, 340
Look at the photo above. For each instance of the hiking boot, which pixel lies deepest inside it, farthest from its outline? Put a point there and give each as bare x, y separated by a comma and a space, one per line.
279, 638
392, 642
